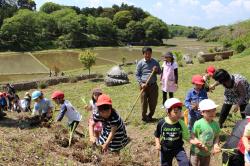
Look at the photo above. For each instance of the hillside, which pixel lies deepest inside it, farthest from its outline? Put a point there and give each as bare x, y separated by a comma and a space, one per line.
59, 26
184, 31
236, 36
23, 141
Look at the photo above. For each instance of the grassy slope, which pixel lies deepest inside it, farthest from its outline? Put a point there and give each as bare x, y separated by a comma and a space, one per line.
20, 144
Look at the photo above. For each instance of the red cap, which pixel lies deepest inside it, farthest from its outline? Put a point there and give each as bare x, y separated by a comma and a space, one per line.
57, 95
103, 99
197, 79
210, 70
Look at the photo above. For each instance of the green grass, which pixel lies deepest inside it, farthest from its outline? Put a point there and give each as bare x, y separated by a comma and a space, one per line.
243, 54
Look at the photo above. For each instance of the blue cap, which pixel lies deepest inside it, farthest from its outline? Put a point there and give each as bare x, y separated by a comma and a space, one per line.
36, 94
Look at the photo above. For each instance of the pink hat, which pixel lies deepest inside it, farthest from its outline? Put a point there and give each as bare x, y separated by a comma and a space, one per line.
197, 79
210, 70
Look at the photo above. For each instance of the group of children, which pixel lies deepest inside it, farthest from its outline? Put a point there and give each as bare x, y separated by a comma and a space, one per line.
106, 128
171, 131
12, 102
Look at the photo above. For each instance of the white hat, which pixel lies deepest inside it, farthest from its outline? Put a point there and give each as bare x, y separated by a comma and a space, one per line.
172, 102
207, 104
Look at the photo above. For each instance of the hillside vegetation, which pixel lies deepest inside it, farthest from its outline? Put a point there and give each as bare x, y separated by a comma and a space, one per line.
58, 26
185, 31
235, 36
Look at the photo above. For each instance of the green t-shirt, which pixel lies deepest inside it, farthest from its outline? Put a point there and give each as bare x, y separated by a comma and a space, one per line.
207, 133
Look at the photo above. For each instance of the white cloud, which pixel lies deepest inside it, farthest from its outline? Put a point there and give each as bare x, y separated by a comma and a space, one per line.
189, 2
214, 9
158, 5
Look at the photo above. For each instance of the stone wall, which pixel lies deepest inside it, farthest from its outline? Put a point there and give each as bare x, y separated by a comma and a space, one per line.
51, 81
211, 56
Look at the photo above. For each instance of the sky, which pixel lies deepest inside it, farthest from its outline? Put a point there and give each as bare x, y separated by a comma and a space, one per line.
203, 13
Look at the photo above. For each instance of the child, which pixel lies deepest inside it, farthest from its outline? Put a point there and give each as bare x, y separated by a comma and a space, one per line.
170, 133
113, 136
3, 101
94, 126
169, 76
42, 106
67, 110
245, 141
2, 105
25, 103
210, 70
205, 135
194, 96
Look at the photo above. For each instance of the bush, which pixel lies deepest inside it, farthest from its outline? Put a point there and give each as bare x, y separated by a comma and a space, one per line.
42, 84
179, 57
239, 47
201, 59
218, 58
211, 50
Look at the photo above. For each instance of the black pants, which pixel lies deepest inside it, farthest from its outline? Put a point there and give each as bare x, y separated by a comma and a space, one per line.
225, 111
73, 125
167, 157
233, 160
164, 96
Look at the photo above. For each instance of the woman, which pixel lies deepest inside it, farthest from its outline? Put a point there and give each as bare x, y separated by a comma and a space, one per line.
236, 93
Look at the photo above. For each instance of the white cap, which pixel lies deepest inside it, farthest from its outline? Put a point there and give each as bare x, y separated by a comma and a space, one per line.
171, 102
207, 104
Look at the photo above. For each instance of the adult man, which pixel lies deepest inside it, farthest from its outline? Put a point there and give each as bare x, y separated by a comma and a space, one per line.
149, 95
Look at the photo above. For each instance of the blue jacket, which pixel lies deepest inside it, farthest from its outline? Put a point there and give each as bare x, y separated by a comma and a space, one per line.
193, 96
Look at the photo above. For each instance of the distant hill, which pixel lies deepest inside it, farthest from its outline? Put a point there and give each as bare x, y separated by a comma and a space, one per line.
235, 36
185, 31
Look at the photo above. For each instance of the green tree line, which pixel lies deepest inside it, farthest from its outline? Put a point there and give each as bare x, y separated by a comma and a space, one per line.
185, 31
56, 26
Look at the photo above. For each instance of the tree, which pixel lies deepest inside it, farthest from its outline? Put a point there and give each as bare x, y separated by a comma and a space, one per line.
122, 18
50, 7
89, 11
87, 58
106, 31
108, 12
7, 9
155, 30
135, 31
21, 32
26, 4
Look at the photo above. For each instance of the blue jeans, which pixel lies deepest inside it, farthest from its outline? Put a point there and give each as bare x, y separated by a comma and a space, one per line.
193, 116
180, 155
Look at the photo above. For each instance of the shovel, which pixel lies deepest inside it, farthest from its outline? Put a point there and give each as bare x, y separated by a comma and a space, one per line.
133, 106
